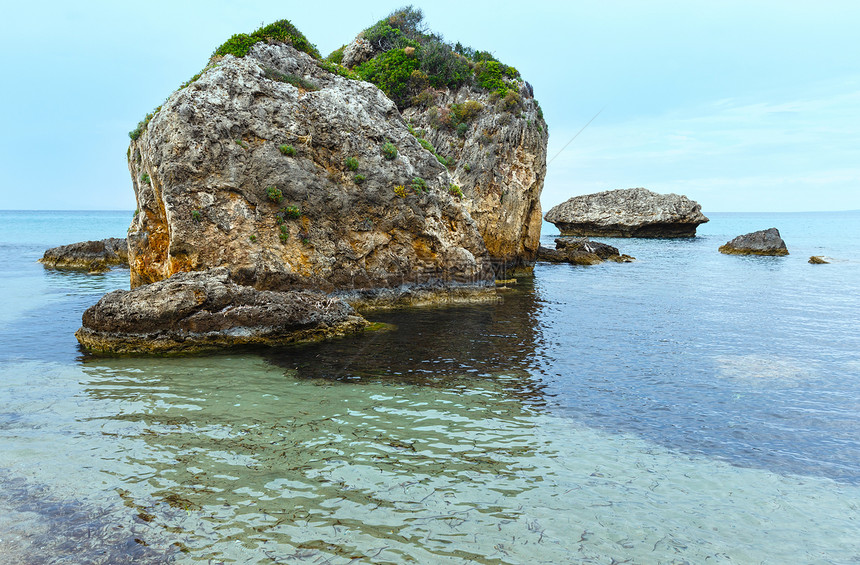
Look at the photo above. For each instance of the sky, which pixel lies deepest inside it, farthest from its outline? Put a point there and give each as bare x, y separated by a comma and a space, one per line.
743, 106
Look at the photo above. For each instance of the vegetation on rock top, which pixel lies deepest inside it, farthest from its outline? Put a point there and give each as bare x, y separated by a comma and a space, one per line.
412, 61
281, 30
411, 64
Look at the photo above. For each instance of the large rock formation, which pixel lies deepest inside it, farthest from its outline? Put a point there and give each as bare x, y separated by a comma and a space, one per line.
477, 115
295, 174
630, 212
762, 242
191, 312
92, 256
288, 184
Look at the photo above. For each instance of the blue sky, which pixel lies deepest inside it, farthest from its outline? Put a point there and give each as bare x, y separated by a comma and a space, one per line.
740, 105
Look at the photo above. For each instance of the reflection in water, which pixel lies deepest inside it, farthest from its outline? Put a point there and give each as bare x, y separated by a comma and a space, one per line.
435, 347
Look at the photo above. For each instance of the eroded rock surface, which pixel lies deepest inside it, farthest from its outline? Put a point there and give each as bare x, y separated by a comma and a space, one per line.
582, 251
629, 212
204, 310
92, 256
762, 242
250, 167
499, 163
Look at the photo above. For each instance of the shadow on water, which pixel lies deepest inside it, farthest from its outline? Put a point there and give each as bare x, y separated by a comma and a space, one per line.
434, 347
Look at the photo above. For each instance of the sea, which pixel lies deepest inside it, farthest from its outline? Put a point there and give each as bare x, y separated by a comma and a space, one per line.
689, 407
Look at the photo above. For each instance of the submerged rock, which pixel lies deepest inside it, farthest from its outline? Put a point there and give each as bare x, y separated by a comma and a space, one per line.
581, 251
92, 256
818, 260
630, 212
198, 311
762, 242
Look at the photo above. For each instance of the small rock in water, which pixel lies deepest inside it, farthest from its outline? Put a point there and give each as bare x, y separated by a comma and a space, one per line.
92, 256
818, 260
581, 251
762, 242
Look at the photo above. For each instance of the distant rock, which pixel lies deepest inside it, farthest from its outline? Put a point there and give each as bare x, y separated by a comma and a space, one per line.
581, 251
191, 312
762, 242
92, 256
629, 212
818, 260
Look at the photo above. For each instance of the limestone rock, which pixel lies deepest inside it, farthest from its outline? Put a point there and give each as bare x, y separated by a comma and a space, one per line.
581, 251
762, 242
250, 166
92, 256
204, 310
357, 52
630, 212
499, 163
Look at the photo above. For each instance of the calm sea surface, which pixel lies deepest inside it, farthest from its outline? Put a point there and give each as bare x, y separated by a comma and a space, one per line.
690, 407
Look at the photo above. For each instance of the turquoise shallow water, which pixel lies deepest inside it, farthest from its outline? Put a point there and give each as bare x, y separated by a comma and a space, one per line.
689, 407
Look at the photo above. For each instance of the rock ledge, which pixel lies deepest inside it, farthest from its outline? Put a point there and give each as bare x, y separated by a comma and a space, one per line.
192, 312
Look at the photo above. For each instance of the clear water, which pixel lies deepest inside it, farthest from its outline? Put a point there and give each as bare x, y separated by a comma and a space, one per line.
687, 408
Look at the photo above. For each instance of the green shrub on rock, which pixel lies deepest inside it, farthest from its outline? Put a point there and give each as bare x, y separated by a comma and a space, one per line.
336, 56
291, 212
295, 80
390, 71
274, 194
389, 150
281, 30
419, 185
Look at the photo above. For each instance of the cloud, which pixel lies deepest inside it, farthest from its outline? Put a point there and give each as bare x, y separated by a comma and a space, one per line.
773, 154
